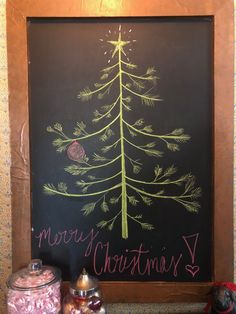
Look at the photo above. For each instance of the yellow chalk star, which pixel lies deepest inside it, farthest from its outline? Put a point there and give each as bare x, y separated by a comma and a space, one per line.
119, 44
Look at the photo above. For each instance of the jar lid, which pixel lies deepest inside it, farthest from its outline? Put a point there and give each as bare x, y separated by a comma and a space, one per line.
84, 286
35, 276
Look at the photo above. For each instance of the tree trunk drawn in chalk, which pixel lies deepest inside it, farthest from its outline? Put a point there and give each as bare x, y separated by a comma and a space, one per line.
133, 90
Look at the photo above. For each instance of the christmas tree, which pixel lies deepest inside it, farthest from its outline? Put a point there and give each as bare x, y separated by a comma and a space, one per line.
124, 189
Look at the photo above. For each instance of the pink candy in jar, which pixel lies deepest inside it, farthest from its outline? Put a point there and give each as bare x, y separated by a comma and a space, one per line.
34, 290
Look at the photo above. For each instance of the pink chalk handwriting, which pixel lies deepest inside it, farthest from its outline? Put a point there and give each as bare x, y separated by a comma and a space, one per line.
134, 261
66, 237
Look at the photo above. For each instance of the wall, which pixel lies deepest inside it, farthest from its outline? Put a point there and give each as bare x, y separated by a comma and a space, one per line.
5, 198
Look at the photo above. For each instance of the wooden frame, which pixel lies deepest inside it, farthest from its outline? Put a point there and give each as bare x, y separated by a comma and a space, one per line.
18, 11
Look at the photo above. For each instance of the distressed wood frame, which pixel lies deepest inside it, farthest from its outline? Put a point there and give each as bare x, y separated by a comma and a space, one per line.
18, 11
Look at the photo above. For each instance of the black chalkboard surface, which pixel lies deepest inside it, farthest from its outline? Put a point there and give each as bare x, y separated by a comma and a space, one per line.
121, 146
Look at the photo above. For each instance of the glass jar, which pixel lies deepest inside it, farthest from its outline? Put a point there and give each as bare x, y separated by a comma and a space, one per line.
84, 297
34, 290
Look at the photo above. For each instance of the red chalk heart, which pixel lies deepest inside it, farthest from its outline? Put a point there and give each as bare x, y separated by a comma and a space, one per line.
193, 270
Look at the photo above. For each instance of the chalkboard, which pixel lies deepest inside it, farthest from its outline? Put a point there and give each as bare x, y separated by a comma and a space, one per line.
121, 146
138, 287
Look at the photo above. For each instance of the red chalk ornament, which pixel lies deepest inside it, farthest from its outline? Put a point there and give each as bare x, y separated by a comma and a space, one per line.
75, 151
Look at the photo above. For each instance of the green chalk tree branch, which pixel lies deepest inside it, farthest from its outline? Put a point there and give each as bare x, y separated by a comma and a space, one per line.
128, 188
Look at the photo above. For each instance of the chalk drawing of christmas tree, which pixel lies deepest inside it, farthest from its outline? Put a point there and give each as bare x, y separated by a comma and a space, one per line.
124, 189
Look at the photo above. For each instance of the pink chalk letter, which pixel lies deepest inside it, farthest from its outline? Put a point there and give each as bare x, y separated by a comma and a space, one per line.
191, 242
